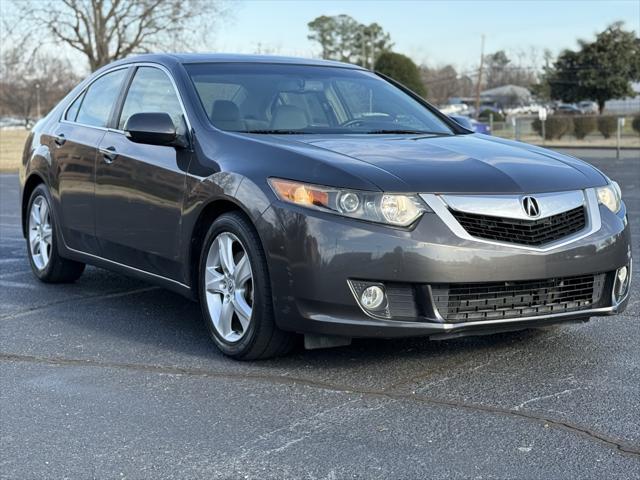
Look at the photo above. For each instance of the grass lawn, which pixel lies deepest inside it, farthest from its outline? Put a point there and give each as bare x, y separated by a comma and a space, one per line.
11, 146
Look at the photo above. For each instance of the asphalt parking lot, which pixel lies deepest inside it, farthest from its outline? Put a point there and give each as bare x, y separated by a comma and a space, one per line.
114, 378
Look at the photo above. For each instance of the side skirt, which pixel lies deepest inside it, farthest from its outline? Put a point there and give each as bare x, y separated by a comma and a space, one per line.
169, 284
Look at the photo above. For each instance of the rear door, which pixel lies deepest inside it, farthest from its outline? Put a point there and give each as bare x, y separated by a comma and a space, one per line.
140, 188
74, 150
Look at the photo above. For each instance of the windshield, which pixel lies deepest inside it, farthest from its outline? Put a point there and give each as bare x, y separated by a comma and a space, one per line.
289, 99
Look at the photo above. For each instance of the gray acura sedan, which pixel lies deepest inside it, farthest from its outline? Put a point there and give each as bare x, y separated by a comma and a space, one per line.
309, 197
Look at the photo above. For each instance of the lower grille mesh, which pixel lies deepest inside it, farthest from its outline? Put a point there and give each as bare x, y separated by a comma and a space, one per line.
463, 302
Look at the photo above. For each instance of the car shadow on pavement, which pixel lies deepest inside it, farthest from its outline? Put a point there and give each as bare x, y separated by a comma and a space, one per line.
165, 321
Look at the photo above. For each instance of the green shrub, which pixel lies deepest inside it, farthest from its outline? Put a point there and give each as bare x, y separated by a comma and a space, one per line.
402, 69
486, 114
555, 127
607, 126
635, 124
583, 126
536, 125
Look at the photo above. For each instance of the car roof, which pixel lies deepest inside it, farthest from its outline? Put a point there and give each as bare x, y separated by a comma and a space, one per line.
172, 58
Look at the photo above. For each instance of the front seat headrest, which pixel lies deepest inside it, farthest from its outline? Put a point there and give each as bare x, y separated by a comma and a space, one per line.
289, 117
226, 115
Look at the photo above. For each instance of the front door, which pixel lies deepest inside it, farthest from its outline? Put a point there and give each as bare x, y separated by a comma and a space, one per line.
140, 188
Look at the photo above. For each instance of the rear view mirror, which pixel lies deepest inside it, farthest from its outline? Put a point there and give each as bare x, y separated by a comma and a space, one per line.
300, 85
151, 128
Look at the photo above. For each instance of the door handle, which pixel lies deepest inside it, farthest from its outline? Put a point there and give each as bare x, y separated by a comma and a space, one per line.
60, 139
109, 154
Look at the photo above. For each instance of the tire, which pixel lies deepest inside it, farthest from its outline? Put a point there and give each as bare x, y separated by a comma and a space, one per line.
42, 248
230, 247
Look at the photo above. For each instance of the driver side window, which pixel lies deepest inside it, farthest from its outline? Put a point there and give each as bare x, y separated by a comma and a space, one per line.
151, 91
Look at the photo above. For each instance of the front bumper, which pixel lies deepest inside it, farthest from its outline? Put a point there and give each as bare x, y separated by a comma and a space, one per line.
312, 255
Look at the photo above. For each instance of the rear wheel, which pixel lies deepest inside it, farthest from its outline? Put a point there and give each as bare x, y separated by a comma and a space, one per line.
235, 292
45, 261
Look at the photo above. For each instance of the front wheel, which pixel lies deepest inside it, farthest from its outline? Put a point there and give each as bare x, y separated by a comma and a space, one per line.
45, 261
235, 292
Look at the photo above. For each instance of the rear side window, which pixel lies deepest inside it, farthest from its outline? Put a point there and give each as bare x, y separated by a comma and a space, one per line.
100, 98
151, 91
72, 111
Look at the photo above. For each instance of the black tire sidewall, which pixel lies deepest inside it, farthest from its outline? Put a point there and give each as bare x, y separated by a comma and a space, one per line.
261, 308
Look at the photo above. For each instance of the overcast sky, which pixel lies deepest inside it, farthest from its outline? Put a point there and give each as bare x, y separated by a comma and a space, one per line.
431, 32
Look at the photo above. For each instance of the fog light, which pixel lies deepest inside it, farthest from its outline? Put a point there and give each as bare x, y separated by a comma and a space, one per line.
372, 298
621, 284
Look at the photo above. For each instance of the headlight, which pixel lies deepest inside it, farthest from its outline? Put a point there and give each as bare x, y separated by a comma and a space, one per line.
610, 196
390, 208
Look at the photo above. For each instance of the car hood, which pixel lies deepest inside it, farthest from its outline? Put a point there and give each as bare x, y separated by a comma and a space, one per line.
460, 164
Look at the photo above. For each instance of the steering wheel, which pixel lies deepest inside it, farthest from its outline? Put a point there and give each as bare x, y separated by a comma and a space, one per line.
371, 121
359, 122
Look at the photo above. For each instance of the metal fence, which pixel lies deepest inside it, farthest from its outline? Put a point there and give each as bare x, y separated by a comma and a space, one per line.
521, 128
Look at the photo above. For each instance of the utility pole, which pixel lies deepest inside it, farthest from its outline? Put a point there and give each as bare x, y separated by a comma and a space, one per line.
373, 55
38, 114
478, 86
364, 48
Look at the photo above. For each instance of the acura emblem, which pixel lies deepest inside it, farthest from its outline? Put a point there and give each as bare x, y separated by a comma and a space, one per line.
531, 206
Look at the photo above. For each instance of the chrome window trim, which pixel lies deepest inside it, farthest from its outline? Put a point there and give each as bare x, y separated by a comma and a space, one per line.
438, 204
120, 67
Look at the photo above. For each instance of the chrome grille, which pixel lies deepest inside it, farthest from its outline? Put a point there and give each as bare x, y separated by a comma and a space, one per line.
466, 302
524, 232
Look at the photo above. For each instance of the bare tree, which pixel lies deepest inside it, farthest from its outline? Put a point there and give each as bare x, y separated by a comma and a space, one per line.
441, 83
501, 70
32, 84
107, 30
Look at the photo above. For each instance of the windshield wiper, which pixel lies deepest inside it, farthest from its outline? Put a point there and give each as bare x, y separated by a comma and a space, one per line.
408, 132
276, 132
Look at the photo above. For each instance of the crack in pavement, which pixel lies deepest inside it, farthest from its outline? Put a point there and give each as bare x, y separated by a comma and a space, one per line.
502, 355
544, 397
84, 298
620, 445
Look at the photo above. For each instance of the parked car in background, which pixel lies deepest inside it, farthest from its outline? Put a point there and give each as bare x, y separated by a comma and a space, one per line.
472, 124
461, 109
589, 107
566, 109
13, 122
490, 107
292, 196
532, 108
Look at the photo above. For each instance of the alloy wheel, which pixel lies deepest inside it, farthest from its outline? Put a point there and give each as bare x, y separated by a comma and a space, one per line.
40, 232
229, 287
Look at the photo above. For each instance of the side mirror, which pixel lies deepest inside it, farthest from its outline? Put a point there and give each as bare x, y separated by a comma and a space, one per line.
151, 128
463, 121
